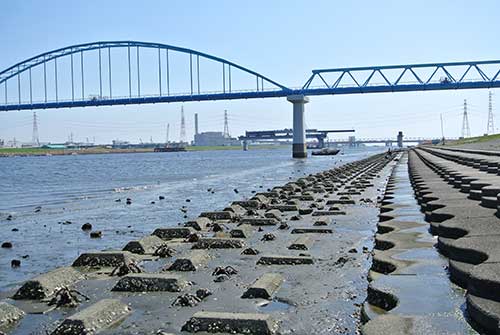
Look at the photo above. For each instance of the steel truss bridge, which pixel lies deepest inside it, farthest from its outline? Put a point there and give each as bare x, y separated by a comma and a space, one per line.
85, 75
357, 141
285, 134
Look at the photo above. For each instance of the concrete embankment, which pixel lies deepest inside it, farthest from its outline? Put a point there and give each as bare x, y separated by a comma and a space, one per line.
409, 290
290, 260
458, 193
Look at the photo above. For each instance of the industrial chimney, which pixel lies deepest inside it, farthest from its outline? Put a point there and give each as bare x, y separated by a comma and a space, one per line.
196, 123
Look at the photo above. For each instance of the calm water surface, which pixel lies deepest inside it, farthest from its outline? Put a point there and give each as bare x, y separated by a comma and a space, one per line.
85, 188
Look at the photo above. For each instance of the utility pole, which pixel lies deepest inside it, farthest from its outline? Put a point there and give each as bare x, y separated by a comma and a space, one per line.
491, 127
226, 125
183, 126
35, 139
465, 122
442, 131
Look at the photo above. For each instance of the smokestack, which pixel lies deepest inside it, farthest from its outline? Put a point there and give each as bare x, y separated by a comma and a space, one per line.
196, 123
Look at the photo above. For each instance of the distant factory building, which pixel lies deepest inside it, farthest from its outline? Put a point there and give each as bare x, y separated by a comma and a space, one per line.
214, 138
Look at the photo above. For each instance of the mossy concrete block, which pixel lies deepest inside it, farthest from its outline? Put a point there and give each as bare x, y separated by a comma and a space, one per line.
301, 243
173, 232
150, 282
9, 314
218, 243
312, 230
191, 262
146, 245
104, 258
218, 215
46, 284
91, 320
259, 221
284, 260
232, 323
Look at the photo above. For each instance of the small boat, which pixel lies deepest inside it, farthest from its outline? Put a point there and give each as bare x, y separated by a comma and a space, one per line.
326, 152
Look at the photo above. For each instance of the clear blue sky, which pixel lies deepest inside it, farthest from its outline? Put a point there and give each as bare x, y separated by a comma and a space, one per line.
283, 40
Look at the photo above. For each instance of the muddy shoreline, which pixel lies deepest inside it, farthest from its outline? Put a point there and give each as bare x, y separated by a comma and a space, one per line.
312, 270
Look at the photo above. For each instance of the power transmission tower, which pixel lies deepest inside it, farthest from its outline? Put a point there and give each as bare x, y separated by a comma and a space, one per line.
35, 139
465, 122
226, 126
491, 126
168, 131
183, 126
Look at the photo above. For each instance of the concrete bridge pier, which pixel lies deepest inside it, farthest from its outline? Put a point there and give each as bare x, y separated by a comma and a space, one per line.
299, 130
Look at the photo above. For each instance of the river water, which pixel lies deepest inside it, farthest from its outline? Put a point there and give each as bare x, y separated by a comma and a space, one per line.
73, 190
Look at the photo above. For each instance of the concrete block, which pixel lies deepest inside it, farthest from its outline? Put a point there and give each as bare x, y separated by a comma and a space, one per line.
9, 314
273, 214
93, 319
264, 287
219, 215
218, 243
243, 231
284, 208
105, 258
248, 204
191, 262
241, 323
301, 243
236, 209
312, 230
259, 221
284, 260
340, 202
325, 213
150, 282
200, 223
173, 232
261, 198
44, 285
146, 245
322, 221
305, 211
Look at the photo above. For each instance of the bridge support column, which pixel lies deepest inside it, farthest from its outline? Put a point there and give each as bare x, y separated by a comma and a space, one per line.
400, 139
299, 149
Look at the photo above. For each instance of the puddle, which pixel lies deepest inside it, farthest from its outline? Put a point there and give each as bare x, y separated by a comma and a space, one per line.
274, 306
422, 287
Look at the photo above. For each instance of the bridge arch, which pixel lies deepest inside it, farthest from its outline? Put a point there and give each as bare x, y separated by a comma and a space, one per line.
82, 49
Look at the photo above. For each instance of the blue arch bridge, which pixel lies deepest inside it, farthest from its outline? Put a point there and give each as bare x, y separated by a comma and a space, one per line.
109, 73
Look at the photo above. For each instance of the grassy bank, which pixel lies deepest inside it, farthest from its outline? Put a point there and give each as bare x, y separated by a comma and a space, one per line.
103, 150
477, 139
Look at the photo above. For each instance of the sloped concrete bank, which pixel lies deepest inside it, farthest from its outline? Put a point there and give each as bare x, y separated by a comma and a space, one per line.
291, 260
458, 191
409, 290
